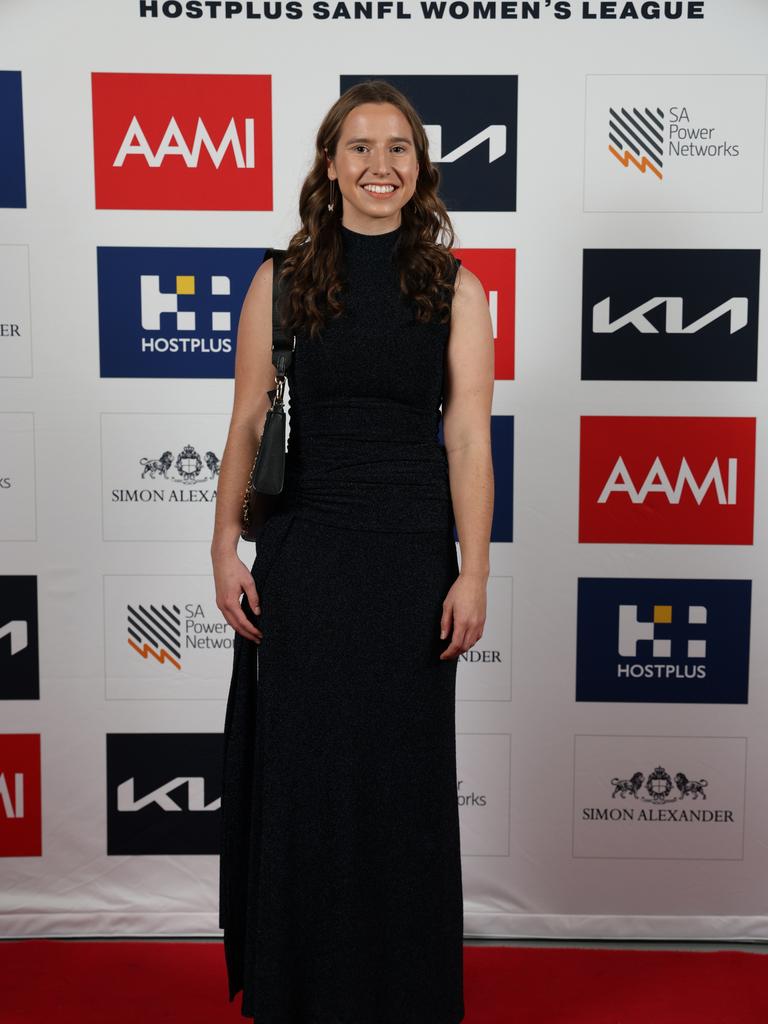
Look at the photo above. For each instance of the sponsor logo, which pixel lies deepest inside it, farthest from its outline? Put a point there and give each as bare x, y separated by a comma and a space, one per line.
159, 475
674, 142
155, 630
13, 188
484, 771
187, 467
19, 667
496, 269
18, 511
667, 479
20, 804
165, 638
672, 641
171, 312
659, 797
163, 793
670, 314
15, 346
471, 124
182, 142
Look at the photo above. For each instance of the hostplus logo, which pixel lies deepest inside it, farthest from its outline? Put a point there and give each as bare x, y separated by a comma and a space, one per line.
632, 630
171, 312
155, 302
663, 640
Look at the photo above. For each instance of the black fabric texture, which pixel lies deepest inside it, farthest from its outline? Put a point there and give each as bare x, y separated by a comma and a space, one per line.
340, 873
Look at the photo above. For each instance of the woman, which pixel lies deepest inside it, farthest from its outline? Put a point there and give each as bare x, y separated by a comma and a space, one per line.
341, 891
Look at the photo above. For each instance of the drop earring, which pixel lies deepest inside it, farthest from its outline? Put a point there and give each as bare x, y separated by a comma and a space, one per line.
332, 202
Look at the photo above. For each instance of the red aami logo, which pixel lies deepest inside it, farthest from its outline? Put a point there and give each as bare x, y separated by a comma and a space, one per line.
182, 142
20, 831
667, 479
496, 270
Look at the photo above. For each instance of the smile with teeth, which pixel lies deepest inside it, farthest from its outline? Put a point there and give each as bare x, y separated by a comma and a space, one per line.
379, 189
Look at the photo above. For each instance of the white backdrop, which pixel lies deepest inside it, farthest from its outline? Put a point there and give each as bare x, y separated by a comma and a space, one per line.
545, 774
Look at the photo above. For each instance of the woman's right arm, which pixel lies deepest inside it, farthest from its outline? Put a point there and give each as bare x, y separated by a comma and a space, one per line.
254, 376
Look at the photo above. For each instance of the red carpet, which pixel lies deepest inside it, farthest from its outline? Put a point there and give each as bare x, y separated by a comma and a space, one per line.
92, 982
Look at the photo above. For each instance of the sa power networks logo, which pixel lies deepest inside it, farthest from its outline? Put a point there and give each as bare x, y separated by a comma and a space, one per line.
670, 314
20, 803
182, 142
165, 638
674, 142
19, 667
171, 312
471, 125
659, 796
163, 793
670, 641
154, 630
18, 508
160, 474
667, 479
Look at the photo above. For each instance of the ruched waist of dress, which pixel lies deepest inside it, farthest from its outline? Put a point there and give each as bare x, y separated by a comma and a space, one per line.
367, 465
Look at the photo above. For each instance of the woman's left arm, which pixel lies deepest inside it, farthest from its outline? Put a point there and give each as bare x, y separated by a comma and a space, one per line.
467, 400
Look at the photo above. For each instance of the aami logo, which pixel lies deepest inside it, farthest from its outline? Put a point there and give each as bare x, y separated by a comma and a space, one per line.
182, 142
667, 479
471, 125
496, 270
163, 792
663, 641
20, 806
670, 314
13, 188
154, 630
19, 668
171, 312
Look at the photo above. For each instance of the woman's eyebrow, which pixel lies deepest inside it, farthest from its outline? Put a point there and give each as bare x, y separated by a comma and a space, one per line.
392, 138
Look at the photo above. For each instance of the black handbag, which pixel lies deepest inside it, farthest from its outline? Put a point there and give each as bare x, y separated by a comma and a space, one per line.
265, 481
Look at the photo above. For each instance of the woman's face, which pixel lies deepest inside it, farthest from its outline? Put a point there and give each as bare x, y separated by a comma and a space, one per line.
375, 147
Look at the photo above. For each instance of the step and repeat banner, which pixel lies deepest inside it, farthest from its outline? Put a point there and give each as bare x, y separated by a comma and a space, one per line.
604, 167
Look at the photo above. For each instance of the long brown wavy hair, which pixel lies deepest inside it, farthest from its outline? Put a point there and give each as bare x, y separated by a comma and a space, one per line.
313, 265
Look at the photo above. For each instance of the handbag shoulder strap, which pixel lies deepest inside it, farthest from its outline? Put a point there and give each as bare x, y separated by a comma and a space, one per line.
282, 344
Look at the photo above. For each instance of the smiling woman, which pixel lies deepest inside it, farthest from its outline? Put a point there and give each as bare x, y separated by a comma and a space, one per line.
341, 889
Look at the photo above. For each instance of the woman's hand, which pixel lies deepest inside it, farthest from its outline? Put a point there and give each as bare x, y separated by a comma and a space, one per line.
232, 579
465, 607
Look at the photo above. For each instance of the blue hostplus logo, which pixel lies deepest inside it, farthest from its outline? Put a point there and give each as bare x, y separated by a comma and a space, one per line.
13, 188
670, 641
171, 312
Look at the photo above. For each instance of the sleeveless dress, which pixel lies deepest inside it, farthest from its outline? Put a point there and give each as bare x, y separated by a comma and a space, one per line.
340, 872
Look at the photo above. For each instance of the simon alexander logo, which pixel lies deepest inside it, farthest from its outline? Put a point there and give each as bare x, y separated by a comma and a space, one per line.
670, 314
171, 312
182, 142
667, 479
665, 641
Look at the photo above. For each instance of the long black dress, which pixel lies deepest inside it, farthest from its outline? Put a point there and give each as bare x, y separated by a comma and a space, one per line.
340, 871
